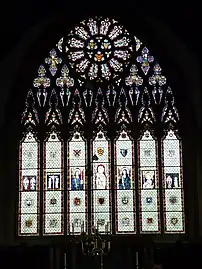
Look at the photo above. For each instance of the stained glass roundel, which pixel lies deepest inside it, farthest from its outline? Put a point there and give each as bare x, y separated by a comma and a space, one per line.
98, 48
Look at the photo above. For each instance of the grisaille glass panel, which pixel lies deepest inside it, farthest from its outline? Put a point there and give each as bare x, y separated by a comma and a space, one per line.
148, 184
29, 186
53, 186
101, 185
77, 184
125, 183
173, 184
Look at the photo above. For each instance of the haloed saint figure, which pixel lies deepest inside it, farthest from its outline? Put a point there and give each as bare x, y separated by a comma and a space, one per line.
77, 180
124, 179
148, 179
172, 180
100, 178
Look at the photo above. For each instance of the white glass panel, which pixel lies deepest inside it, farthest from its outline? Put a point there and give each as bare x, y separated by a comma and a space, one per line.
173, 200
125, 183
148, 184
53, 224
53, 201
29, 186
173, 184
101, 182
125, 201
77, 222
102, 221
77, 184
149, 200
174, 222
150, 221
53, 186
29, 202
125, 222
29, 224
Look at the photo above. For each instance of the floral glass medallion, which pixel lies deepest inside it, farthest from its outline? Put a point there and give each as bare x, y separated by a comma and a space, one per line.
98, 48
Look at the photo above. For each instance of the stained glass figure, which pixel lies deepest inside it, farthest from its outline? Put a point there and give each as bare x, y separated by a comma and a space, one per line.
29, 186
101, 192
173, 184
77, 184
99, 48
53, 185
125, 182
148, 184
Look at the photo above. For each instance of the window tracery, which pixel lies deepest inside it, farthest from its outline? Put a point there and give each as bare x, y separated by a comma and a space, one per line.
98, 91
98, 48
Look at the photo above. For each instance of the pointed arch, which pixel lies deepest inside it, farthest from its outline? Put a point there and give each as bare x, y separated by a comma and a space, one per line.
103, 91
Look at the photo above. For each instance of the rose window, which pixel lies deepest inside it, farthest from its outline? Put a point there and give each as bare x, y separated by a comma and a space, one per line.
99, 48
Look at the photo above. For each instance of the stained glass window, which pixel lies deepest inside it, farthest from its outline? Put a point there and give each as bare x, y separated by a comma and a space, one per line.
125, 184
172, 183
148, 183
53, 185
29, 185
101, 183
102, 102
77, 184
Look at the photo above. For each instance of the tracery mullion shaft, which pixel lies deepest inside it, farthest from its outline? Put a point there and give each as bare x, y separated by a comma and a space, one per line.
89, 179
41, 184
113, 186
66, 227
161, 200
136, 185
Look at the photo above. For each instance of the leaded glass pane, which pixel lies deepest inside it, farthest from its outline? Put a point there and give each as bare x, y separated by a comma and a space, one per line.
53, 186
29, 186
101, 183
173, 184
124, 184
77, 184
99, 76
148, 184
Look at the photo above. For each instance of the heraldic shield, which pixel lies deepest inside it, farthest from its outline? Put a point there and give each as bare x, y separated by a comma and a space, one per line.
100, 151
124, 152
